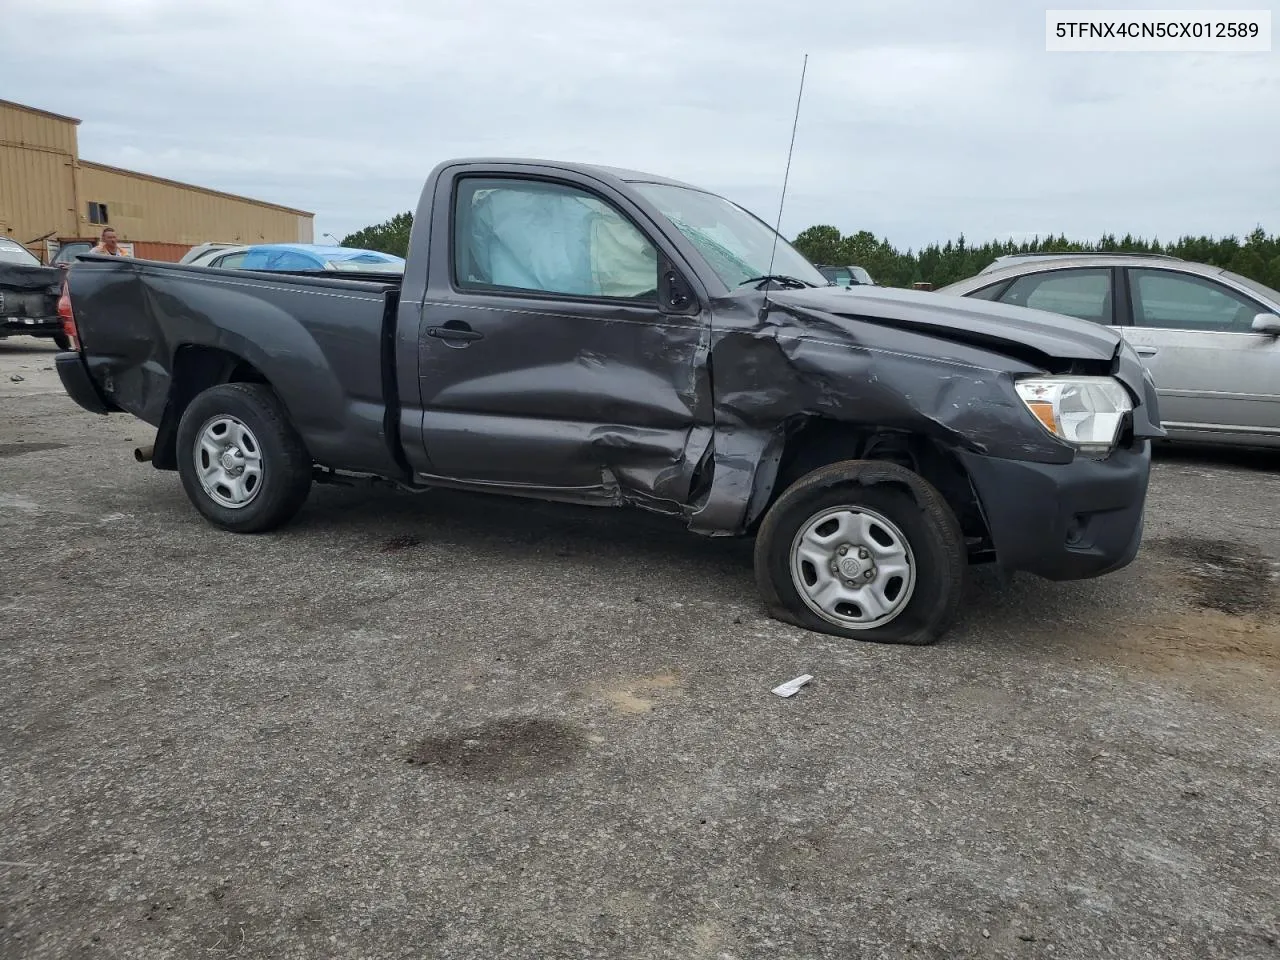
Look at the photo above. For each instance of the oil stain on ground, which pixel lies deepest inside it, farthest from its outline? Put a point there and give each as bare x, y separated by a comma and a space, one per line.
1231, 578
18, 449
1215, 630
502, 749
396, 544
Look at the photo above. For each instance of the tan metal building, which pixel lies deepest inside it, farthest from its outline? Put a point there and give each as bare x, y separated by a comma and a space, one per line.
49, 195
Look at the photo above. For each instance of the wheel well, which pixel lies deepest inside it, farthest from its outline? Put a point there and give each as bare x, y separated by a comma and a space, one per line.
818, 442
196, 369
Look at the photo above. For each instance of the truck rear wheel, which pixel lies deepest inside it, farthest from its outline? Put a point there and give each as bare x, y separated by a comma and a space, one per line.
242, 463
865, 550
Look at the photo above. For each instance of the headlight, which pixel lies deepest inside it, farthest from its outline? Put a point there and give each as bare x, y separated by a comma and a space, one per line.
1086, 412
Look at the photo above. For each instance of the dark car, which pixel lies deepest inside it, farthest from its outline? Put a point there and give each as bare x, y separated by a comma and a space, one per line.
598, 336
29, 295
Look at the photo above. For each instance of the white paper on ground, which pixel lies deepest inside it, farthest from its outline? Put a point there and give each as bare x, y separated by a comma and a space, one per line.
791, 687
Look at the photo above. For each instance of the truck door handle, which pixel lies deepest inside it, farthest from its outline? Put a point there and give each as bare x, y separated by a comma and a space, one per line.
454, 330
1147, 351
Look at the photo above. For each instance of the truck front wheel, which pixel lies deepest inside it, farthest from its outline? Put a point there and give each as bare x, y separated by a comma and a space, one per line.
866, 550
242, 463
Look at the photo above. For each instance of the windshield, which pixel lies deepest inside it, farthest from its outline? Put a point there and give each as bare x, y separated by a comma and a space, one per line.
736, 244
1255, 286
68, 251
13, 252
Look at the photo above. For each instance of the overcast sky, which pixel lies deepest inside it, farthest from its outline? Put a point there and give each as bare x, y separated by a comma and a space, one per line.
920, 120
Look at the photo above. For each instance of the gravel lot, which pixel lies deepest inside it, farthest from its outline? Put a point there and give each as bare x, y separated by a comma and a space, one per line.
450, 726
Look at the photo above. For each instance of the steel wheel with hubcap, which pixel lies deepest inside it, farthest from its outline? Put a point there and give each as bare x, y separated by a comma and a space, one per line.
862, 549
853, 567
241, 461
229, 462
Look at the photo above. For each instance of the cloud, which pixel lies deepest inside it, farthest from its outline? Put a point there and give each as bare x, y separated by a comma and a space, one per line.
920, 120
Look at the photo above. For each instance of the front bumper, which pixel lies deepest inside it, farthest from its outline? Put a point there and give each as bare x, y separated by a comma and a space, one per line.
79, 385
1068, 521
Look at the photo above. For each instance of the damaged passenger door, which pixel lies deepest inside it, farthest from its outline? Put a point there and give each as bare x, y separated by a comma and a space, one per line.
562, 347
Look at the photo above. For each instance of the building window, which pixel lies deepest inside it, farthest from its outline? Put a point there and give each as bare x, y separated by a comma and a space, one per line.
98, 212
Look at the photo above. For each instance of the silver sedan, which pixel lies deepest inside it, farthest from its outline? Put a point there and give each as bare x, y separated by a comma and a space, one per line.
1210, 338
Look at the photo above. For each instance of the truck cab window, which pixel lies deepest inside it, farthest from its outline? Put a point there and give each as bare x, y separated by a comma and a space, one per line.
548, 238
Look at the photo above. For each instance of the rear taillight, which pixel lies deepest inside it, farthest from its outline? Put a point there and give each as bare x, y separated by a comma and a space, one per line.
68, 317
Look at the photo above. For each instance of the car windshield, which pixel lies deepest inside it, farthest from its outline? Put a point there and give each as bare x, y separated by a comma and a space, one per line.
13, 252
736, 244
1255, 286
69, 251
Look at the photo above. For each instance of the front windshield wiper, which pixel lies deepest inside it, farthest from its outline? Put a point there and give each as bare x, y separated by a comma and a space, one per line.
781, 279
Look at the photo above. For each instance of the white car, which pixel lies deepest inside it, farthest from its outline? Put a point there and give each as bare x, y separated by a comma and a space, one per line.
224, 256
203, 251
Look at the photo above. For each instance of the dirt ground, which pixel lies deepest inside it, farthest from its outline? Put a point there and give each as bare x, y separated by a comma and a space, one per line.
451, 726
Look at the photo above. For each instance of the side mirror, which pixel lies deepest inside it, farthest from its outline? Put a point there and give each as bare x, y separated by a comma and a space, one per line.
674, 295
1268, 323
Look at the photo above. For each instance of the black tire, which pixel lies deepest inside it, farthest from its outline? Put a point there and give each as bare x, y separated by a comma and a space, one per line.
62, 341
905, 499
286, 465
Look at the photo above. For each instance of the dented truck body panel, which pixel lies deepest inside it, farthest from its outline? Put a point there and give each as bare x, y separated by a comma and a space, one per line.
840, 355
316, 340
685, 411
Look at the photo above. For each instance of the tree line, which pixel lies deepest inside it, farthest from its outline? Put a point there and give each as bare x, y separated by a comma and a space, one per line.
391, 236
1257, 256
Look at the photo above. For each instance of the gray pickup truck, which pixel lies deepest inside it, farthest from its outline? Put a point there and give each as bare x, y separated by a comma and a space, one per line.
600, 336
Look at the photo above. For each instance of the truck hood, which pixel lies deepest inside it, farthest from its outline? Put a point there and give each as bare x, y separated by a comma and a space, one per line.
1043, 339
995, 326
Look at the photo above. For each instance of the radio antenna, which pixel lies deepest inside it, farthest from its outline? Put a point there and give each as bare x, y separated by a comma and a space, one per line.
785, 177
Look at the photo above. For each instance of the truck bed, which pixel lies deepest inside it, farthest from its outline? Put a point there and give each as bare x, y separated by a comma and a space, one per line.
325, 342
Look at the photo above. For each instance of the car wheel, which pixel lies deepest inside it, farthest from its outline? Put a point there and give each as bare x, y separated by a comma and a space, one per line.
865, 550
242, 463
